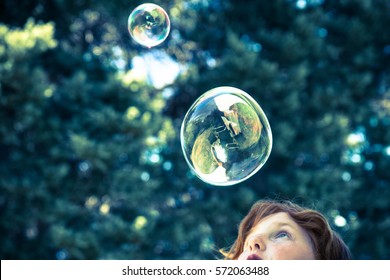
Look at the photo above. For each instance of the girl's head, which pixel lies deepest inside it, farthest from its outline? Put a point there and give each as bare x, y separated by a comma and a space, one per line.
284, 230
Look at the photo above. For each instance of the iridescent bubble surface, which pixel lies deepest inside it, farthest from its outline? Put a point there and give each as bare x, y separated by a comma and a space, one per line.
225, 136
149, 25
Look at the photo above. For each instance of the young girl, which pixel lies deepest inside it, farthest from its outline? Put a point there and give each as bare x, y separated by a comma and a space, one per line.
286, 231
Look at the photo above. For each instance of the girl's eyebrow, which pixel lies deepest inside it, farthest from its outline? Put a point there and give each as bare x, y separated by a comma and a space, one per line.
281, 224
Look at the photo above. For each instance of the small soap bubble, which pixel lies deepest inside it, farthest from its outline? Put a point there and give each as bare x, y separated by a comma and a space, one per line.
149, 25
225, 136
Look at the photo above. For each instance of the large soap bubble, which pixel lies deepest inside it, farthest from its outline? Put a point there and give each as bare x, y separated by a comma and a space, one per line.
225, 136
149, 25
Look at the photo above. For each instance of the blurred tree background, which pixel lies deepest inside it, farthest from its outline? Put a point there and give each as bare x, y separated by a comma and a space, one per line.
90, 159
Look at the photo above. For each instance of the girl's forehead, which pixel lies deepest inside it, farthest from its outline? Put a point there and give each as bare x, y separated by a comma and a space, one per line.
274, 220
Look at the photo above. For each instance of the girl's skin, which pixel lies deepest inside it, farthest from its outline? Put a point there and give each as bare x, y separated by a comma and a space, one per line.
277, 237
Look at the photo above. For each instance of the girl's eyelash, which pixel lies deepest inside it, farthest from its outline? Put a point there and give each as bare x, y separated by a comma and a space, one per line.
281, 234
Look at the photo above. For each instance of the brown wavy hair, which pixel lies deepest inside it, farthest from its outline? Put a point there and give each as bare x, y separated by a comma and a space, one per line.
327, 244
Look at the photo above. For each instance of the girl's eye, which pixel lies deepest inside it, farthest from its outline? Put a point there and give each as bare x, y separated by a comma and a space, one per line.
282, 234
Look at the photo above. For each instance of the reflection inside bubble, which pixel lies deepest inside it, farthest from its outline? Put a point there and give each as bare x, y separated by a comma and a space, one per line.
149, 25
225, 136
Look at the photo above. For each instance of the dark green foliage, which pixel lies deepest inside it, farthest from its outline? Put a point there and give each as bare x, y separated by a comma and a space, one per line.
90, 159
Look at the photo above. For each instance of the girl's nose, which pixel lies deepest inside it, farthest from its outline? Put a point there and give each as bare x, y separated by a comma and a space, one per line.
256, 244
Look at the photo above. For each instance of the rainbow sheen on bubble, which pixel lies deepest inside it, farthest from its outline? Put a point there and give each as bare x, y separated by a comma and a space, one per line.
225, 136
149, 25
